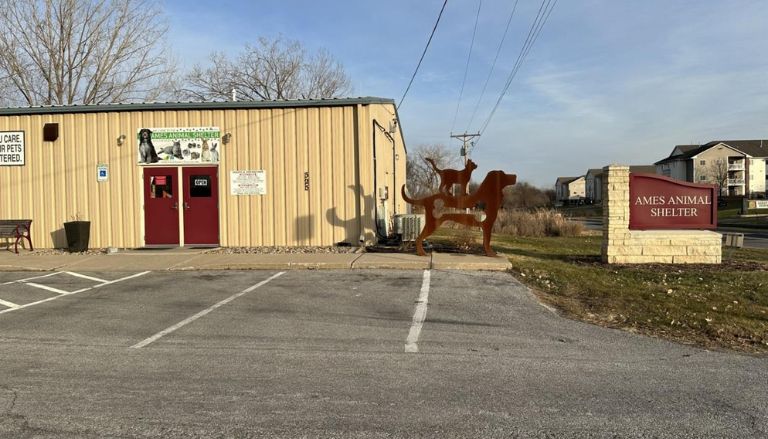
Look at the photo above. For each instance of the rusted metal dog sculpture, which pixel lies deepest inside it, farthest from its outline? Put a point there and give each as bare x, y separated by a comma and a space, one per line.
487, 197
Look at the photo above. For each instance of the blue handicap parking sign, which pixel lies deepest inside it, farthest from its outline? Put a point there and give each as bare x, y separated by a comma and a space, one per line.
102, 173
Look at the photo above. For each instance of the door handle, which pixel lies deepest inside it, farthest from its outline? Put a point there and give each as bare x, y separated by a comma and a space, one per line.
175, 206
186, 205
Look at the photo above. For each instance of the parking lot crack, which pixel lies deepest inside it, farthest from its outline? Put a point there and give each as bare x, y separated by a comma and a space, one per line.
14, 397
354, 261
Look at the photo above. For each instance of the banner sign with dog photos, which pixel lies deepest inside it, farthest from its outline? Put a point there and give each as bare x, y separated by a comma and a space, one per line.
178, 145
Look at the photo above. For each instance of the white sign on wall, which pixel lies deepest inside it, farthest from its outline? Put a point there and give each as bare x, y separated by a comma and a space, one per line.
12, 148
102, 172
248, 182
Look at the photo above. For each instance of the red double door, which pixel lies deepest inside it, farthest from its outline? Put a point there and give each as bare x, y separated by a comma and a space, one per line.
193, 201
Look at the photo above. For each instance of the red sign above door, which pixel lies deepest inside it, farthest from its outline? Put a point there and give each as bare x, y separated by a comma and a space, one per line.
657, 202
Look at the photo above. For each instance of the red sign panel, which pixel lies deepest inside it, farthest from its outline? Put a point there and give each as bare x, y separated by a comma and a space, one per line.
657, 202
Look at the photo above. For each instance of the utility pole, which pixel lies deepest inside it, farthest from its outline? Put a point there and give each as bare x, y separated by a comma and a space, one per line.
465, 138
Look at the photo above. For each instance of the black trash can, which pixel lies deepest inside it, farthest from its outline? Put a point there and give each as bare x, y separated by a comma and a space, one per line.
78, 234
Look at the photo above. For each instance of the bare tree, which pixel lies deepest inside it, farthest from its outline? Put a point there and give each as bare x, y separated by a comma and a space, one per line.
551, 196
82, 51
525, 196
422, 179
6, 90
718, 173
272, 69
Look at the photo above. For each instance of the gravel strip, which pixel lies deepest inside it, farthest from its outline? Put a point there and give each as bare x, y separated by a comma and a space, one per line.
280, 250
58, 251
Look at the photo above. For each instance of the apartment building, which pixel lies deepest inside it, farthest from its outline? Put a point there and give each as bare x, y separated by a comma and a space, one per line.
593, 185
570, 189
737, 166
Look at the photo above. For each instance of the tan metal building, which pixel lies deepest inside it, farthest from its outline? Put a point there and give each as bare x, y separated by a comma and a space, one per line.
265, 173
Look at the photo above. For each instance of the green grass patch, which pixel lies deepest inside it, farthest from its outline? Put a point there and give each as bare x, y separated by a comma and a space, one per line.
732, 210
714, 306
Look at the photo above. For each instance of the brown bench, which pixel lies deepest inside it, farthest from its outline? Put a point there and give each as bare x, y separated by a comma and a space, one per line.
17, 229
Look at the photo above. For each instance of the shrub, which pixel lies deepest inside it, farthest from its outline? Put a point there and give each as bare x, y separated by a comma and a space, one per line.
540, 222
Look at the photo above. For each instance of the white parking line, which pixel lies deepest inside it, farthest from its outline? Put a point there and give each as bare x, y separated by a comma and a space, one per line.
188, 320
47, 288
8, 304
121, 279
82, 276
31, 278
411, 343
66, 293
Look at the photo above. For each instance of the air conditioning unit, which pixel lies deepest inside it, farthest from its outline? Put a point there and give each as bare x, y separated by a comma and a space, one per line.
409, 226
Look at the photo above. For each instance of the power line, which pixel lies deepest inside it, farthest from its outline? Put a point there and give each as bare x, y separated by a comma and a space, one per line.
493, 66
466, 69
541, 17
423, 53
533, 34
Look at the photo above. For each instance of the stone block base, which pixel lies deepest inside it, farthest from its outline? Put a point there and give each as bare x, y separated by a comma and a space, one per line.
663, 247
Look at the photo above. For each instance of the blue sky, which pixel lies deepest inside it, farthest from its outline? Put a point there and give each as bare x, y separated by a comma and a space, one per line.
611, 81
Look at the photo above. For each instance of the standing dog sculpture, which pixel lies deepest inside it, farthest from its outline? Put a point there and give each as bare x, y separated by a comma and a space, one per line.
488, 197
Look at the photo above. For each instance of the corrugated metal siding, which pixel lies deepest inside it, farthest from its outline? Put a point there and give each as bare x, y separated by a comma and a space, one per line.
58, 182
59, 179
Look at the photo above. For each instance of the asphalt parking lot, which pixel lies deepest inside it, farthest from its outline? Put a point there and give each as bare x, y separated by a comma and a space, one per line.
347, 353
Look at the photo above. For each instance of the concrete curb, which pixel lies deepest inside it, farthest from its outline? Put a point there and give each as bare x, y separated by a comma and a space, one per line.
280, 266
128, 262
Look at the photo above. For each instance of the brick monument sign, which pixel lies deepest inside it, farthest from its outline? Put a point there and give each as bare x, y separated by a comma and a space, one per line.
653, 219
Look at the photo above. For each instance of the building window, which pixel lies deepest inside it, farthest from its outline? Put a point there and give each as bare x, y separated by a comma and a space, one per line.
703, 162
702, 177
161, 186
199, 186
